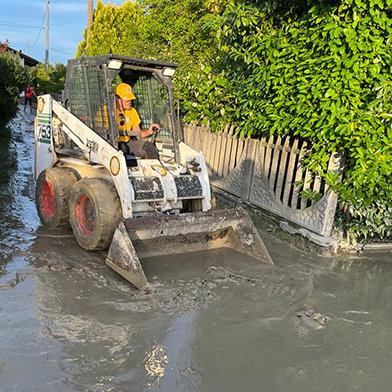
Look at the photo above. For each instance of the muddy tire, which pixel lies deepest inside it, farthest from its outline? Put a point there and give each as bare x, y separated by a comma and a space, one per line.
52, 191
192, 205
94, 211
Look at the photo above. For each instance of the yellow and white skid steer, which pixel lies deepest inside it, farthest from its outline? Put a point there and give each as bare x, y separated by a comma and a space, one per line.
132, 206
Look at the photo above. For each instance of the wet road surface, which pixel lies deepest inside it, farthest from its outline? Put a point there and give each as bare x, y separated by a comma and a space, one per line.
217, 321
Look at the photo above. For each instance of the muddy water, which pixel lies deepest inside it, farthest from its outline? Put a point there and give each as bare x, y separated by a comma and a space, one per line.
217, 321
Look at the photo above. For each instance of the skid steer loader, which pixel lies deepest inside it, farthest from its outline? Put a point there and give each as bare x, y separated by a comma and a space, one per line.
129, 205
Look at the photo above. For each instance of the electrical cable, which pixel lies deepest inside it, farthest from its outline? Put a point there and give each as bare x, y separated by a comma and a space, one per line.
60, 52
8, 23
39, 33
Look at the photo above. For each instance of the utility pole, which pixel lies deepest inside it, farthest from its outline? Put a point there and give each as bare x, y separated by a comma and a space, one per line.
90, 7
47, 35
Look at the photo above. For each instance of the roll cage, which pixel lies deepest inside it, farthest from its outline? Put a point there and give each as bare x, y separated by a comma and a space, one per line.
89, 94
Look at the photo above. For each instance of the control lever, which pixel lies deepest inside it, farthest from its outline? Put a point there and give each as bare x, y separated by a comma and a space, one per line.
154, 135
193, 165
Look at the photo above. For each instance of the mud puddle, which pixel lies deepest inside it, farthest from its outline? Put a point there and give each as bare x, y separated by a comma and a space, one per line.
216, 321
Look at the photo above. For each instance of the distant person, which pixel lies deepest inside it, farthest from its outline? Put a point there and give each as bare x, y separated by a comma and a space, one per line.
128, 120
27, 97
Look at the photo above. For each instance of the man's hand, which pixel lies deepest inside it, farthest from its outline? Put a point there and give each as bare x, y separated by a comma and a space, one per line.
154, 128
148, 132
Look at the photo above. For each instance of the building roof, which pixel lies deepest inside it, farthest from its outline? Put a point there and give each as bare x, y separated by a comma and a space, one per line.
27, 60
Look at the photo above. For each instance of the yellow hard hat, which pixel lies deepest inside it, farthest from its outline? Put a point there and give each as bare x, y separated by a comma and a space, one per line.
124, 91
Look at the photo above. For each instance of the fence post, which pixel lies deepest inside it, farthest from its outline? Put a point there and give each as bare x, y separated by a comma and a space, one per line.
249, 163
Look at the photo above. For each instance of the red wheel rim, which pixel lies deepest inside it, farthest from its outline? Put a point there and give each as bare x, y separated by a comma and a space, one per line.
47, 200
85, 215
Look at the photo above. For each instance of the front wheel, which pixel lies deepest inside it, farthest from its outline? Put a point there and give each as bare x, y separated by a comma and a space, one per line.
52, 191
94, 212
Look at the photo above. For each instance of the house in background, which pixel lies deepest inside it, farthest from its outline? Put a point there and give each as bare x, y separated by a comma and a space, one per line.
25, 60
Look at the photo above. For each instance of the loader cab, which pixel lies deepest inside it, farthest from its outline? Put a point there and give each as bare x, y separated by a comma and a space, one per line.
89, 94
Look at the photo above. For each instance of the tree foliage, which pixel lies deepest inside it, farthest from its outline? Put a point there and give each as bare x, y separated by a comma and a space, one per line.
176, 31
48, 79
4, 46
318, 69
322, 71
157, 29
116, 29
13, 78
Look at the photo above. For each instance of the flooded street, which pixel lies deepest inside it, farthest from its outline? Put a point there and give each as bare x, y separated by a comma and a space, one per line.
217, 321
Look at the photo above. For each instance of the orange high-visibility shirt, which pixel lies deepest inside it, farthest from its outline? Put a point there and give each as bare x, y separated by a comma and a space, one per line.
126, 120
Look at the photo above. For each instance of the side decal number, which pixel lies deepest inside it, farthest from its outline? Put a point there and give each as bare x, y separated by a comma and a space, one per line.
44, 133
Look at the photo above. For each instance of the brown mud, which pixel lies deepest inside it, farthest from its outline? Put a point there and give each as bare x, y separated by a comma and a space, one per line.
216, 321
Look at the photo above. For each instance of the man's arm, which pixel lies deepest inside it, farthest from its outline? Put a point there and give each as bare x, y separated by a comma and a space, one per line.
148, 132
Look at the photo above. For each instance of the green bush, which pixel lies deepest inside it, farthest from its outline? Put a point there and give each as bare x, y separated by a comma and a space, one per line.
318, 69
48, 79
321, 71
206, 96
13, 79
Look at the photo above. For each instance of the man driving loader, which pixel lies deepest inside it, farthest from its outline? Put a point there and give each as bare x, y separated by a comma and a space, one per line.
128, 120
117, 203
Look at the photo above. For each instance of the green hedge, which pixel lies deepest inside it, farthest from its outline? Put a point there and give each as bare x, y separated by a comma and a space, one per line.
317, 69
13, 79
322, 72
48, 79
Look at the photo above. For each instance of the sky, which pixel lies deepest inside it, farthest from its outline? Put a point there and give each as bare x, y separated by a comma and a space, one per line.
22, 22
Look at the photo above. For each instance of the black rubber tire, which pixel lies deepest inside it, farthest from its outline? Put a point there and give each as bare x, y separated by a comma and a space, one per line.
192, 205
52, 190
94, 211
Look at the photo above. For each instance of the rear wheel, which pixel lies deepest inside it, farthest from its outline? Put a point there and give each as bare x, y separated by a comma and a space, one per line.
52, 191
94, 211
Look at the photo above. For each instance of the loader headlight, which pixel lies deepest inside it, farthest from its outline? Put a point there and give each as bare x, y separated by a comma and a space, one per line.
114, 64
114, 166
40, 104
168, 71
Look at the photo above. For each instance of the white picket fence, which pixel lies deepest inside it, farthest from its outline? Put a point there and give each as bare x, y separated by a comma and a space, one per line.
267, 173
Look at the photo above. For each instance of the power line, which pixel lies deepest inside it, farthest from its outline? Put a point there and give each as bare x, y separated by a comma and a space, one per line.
7, 23
39, 33
60, 52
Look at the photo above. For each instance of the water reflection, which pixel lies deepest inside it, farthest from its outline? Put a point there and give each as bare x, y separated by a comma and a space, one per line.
156, 363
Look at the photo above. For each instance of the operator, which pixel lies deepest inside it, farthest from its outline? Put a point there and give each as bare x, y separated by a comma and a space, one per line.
129, 120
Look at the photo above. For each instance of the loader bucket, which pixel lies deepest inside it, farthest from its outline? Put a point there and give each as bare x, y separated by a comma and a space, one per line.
172, 234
